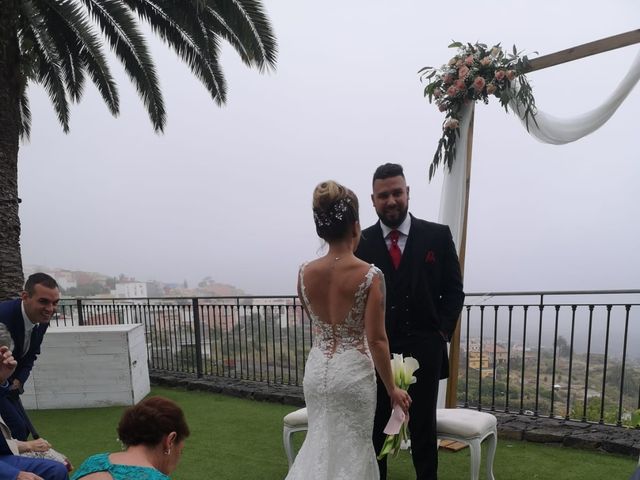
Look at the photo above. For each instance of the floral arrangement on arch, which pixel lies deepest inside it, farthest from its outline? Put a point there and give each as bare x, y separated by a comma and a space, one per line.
475, 73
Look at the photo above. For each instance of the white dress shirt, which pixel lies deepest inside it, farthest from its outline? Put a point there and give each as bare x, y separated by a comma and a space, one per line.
403, 229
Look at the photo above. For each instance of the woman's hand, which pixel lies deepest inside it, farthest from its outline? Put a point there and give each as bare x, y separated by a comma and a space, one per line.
401, 398
28, 476
38, 445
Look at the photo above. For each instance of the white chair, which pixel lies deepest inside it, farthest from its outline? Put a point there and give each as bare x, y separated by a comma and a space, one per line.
293, 422
467, 426
470, 427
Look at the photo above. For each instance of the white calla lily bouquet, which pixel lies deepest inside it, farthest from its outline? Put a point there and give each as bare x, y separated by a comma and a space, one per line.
396, 429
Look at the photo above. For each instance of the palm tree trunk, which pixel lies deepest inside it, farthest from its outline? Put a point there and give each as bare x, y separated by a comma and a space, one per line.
11, 276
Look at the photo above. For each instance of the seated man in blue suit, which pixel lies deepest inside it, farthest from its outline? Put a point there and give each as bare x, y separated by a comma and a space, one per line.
27, 319
14, 467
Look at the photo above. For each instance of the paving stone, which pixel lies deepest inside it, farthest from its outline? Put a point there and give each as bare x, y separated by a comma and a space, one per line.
586, 443
505, 433
544, 435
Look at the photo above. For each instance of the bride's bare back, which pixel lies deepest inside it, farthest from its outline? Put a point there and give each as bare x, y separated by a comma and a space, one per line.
330, 286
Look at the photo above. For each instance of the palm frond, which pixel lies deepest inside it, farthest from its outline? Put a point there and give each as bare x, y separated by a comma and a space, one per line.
119, 26
181, 27
70, 27
69, 59
253, 29
24, 128
215, 70
48, 71
214, 24
60, 46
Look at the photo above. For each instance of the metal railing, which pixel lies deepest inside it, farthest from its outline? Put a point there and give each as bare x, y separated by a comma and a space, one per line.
569, 354
265, 339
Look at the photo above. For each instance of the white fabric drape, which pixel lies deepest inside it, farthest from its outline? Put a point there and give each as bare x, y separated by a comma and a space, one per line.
452, 203
558, 131
453, 186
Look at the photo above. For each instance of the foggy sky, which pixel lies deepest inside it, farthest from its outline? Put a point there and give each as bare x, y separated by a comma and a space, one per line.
226, 192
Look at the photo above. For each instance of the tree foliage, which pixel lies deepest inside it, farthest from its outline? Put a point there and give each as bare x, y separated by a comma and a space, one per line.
60, 44
60, 47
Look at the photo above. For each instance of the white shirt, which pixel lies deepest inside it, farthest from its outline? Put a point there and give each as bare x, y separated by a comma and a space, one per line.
28, 328
403, 229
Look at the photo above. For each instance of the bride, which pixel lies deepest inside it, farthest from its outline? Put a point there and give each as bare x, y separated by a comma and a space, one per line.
344, 298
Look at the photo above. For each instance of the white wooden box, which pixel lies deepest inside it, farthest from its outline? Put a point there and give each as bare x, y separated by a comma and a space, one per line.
92, 366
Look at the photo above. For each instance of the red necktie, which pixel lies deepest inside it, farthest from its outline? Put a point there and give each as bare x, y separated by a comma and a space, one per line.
394, 249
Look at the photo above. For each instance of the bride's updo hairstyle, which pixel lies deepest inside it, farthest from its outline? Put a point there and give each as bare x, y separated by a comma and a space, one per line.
335, 210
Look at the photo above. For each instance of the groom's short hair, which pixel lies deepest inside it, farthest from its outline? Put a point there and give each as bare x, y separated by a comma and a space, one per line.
388, 170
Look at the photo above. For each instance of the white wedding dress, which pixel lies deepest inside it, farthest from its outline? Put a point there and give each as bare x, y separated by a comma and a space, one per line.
340, 394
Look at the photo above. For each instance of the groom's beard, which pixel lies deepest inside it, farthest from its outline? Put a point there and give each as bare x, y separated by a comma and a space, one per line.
393, 217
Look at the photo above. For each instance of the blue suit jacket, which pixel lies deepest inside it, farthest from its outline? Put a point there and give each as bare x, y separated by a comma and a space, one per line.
11, 316
4, 447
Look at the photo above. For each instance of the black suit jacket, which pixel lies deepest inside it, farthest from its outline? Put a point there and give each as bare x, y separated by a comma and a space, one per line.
424, 295
11, 316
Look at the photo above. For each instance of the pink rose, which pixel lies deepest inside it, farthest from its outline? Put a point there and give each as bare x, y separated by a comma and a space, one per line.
463, 72
491, 89
460, 85
485, 61
448, 79
511, 75
478, 84
442, 107
452, 123
469, 60
500, 75
452, 90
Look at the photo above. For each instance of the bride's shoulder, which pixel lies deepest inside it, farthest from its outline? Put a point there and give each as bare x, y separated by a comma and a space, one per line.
308, 264
373, 274
375, 271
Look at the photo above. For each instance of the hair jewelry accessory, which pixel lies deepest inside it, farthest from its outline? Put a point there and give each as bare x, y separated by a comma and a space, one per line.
334, 213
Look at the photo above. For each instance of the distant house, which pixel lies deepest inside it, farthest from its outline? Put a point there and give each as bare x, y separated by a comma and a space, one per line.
517, 350
477, 359
130, 290
501, 354
65, 279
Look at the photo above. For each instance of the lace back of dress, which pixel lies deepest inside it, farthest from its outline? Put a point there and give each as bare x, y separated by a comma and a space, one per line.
347, 334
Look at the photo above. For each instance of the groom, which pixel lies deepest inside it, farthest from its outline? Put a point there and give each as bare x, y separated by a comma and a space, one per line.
424, 300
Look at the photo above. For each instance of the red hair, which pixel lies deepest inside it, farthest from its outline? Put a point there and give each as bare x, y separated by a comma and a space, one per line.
150, 420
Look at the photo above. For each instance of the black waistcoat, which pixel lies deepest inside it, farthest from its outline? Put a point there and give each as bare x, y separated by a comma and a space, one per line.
410, 310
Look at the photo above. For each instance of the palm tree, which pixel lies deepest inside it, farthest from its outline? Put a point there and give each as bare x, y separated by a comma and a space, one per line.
55, 43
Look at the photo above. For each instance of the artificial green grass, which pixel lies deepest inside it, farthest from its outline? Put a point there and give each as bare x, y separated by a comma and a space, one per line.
233, 439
